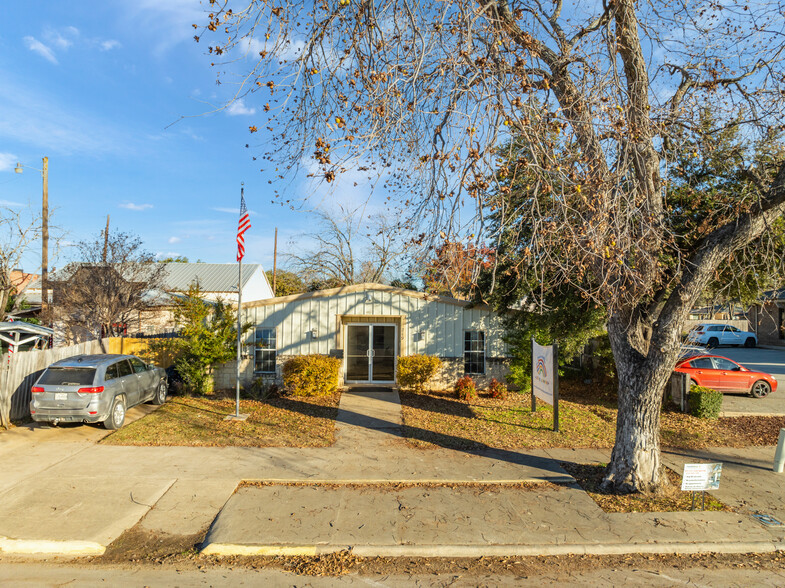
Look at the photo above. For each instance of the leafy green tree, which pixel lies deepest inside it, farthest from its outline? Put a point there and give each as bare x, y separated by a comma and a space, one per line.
208, 336
286, 283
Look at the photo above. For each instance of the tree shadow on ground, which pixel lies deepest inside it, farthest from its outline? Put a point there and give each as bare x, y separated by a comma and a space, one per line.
436, 402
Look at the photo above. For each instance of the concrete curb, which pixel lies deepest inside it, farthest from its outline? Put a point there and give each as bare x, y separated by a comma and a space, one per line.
228, 549
43, 546
738, 413
555, 479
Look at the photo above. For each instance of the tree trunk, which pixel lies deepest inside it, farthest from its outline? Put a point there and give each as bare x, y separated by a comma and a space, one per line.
635, 461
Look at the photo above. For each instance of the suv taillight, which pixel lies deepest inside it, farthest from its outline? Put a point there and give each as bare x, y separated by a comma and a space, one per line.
699, 332
37, 390
96, 390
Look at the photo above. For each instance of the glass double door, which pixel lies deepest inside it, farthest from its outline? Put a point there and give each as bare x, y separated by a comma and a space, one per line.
370, 353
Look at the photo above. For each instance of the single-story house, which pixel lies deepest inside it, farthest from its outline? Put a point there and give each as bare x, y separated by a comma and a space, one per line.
216, 281
767, 318
368, 326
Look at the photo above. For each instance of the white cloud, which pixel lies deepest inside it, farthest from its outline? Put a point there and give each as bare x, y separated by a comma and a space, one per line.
10, 203
37, 46
233, 211
61, 40
132, 206
238, 107
8, 161
109, 45
40, 119
166, 23
173, 240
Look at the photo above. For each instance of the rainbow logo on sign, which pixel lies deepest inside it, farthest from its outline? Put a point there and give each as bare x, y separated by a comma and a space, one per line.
541, 371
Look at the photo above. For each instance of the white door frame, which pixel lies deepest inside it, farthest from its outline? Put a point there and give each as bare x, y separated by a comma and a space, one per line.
370, 326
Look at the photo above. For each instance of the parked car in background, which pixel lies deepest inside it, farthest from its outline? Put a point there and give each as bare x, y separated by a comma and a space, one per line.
95, 389
716, 335
725, 375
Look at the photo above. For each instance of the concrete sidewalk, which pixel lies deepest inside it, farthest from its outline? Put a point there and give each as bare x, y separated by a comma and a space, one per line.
85, 496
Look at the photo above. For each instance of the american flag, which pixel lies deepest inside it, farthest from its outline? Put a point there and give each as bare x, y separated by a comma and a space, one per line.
243, 225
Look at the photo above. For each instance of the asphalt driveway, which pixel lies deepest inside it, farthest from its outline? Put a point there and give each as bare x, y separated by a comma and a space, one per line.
767, 360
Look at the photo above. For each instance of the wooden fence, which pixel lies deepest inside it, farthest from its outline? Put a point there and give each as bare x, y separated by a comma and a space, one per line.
18, 374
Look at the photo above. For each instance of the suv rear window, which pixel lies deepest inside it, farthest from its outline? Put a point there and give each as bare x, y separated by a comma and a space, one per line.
67, 376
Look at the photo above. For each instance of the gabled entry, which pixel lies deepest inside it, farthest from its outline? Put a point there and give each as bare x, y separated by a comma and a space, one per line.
371, 352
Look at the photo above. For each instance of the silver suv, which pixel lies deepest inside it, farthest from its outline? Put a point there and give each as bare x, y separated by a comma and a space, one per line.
95, 389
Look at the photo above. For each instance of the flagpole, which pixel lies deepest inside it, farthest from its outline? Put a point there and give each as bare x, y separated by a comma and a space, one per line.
239, 314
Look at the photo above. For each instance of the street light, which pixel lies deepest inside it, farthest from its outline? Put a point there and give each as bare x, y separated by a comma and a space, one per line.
44, 232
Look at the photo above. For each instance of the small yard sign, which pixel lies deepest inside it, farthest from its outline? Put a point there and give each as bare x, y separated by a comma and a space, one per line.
542, 372
699, 477
545, 378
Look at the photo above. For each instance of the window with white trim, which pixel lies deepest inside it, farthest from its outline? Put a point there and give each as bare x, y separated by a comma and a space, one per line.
474, 352
265, 350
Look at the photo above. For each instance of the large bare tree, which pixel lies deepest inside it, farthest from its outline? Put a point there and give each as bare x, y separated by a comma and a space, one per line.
112, 282
431, 96
19, 229
349, 248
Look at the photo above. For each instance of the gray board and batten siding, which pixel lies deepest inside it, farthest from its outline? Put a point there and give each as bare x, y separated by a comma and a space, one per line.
315, 322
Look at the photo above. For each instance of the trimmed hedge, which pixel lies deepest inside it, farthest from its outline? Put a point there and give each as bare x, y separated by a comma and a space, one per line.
704, 403
311, 375
414, 371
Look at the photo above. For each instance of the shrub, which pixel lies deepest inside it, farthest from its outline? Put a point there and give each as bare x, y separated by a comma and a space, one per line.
311, 375
414, 371
466, 389
497, 390
261, 390
704, 403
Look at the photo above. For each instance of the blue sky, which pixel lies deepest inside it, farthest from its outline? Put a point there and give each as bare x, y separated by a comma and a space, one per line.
96, 86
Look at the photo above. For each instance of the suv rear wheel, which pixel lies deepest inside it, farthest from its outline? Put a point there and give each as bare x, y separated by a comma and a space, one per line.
713, 342
116, 415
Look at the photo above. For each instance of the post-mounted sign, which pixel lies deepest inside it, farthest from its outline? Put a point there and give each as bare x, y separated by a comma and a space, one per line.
545, 378
542, 372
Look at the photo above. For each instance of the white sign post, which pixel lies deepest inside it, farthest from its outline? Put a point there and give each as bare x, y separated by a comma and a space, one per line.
545, 378
699, 477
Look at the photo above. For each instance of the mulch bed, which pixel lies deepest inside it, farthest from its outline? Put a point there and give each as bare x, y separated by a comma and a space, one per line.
669, 498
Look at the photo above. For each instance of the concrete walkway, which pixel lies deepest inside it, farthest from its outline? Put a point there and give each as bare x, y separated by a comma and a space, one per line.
370, 492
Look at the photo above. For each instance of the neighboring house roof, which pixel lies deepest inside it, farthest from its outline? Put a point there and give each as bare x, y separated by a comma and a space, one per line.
361, 288
212, 277
20, 279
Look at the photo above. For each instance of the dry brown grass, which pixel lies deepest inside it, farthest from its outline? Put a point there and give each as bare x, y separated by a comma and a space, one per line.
199, 422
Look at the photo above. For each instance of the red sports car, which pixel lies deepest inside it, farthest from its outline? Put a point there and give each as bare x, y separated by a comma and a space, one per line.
725, 375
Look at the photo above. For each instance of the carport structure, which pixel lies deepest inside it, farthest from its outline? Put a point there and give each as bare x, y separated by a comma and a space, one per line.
18, 333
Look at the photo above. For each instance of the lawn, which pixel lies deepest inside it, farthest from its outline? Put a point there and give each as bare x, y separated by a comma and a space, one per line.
587, 420
199, 422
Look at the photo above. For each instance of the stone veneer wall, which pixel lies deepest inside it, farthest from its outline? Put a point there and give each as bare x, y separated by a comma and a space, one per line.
452, 370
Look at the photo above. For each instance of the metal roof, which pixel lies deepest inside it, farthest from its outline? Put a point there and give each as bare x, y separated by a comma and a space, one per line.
212, 277
23, 327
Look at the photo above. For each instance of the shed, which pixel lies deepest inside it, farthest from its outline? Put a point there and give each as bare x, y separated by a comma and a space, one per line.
368, 326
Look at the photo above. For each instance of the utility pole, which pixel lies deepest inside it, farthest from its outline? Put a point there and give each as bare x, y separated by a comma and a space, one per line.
275, 260
106, 238
45, 242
